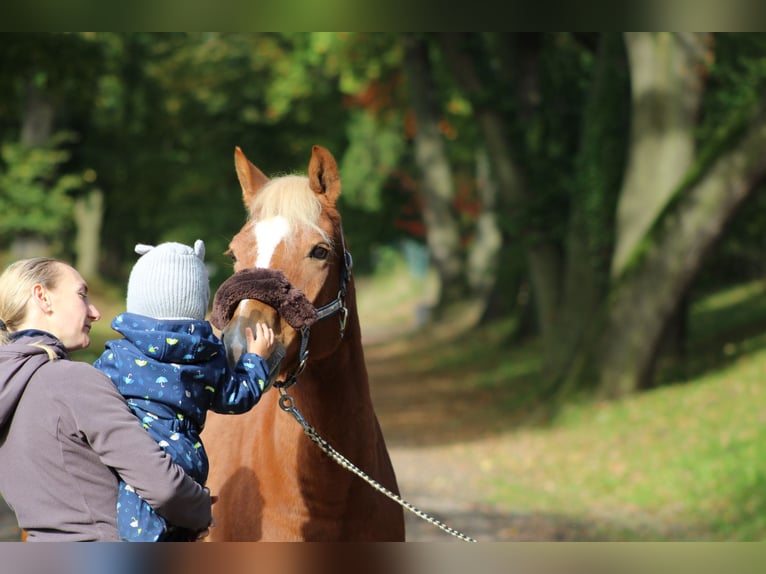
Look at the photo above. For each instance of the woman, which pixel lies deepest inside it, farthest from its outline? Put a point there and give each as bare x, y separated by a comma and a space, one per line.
66, 434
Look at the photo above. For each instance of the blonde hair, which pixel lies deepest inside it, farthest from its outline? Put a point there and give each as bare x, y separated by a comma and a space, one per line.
291, 198
16, 284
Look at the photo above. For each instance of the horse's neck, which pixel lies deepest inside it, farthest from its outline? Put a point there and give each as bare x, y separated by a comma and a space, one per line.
341, 375
333, 393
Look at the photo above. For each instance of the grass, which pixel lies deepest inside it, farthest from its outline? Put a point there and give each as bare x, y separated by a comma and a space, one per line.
681, 462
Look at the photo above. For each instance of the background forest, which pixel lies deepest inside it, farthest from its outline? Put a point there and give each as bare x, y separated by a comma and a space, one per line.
586, 184
580, 192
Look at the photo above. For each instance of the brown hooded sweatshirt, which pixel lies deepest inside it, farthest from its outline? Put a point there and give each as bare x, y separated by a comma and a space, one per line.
65, 436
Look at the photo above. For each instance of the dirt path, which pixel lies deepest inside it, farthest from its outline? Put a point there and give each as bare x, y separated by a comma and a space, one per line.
444, 443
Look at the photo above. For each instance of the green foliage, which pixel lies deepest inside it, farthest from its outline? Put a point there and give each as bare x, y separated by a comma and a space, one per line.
538, 84
374, 163
158, 116
64, 64
735, 82
601, 156
546, 135
735, 89
360, 60
35, 198
374, 152
170, 108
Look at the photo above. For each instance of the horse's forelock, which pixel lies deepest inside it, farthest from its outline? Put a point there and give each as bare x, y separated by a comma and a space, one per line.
290, 198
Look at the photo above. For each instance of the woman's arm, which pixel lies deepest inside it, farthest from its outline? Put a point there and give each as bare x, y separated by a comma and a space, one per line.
116, 435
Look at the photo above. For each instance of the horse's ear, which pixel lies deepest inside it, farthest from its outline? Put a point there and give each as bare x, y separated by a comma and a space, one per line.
250, 177
323, 174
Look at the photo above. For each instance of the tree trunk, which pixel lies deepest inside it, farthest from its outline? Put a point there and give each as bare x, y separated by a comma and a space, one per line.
37, 123
643, 302
483, 255
36, 130
599, 170
89, 214
442, 233
541, 256
666, 90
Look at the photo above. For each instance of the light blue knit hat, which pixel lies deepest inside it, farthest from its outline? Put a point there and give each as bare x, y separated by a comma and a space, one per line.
169, 281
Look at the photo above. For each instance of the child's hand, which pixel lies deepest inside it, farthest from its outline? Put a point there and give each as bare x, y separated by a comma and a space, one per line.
262, 343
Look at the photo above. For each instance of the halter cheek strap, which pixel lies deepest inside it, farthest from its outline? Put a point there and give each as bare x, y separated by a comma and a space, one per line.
337, 305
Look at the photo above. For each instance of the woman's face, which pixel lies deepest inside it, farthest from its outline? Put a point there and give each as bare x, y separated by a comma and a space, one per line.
71, 312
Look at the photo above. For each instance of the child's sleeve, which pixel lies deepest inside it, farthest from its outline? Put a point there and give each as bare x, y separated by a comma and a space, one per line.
241, 389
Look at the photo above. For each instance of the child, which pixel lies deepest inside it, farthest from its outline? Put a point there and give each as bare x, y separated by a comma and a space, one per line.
172, 369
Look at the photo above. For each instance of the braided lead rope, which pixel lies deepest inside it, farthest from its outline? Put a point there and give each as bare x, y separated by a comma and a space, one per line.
286, 404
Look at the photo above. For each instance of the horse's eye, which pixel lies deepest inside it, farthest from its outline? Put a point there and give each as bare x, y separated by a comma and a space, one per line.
320, 252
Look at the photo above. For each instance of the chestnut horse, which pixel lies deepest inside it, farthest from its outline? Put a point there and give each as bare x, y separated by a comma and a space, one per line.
274, 483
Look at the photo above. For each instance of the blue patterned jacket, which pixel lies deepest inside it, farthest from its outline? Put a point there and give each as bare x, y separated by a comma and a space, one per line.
177, 370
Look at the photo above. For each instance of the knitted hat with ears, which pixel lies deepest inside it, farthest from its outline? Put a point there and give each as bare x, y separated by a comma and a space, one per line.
169, 281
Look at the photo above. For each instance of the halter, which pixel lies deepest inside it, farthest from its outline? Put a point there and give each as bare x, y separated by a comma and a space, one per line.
337, 305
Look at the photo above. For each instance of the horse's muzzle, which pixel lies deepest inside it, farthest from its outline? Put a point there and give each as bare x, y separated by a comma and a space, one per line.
235, 340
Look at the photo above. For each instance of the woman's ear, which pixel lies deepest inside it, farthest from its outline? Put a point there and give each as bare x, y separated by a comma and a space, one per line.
40, 298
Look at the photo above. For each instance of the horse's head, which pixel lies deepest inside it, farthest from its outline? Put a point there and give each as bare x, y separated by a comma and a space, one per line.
292, 240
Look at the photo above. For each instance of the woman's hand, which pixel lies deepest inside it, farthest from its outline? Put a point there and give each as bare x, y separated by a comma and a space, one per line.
202, 534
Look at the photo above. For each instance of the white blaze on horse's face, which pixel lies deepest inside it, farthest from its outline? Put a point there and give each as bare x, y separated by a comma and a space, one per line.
268, 234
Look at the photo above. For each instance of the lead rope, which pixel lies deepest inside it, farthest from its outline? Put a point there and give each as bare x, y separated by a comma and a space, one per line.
287, 404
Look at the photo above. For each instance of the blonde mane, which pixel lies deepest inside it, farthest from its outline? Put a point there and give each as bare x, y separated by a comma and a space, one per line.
291, 198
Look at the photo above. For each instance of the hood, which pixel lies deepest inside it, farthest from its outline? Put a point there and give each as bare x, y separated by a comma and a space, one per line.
19, 360
169, 340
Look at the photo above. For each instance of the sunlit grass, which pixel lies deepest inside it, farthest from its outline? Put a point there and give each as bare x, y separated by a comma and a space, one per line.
690, 460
